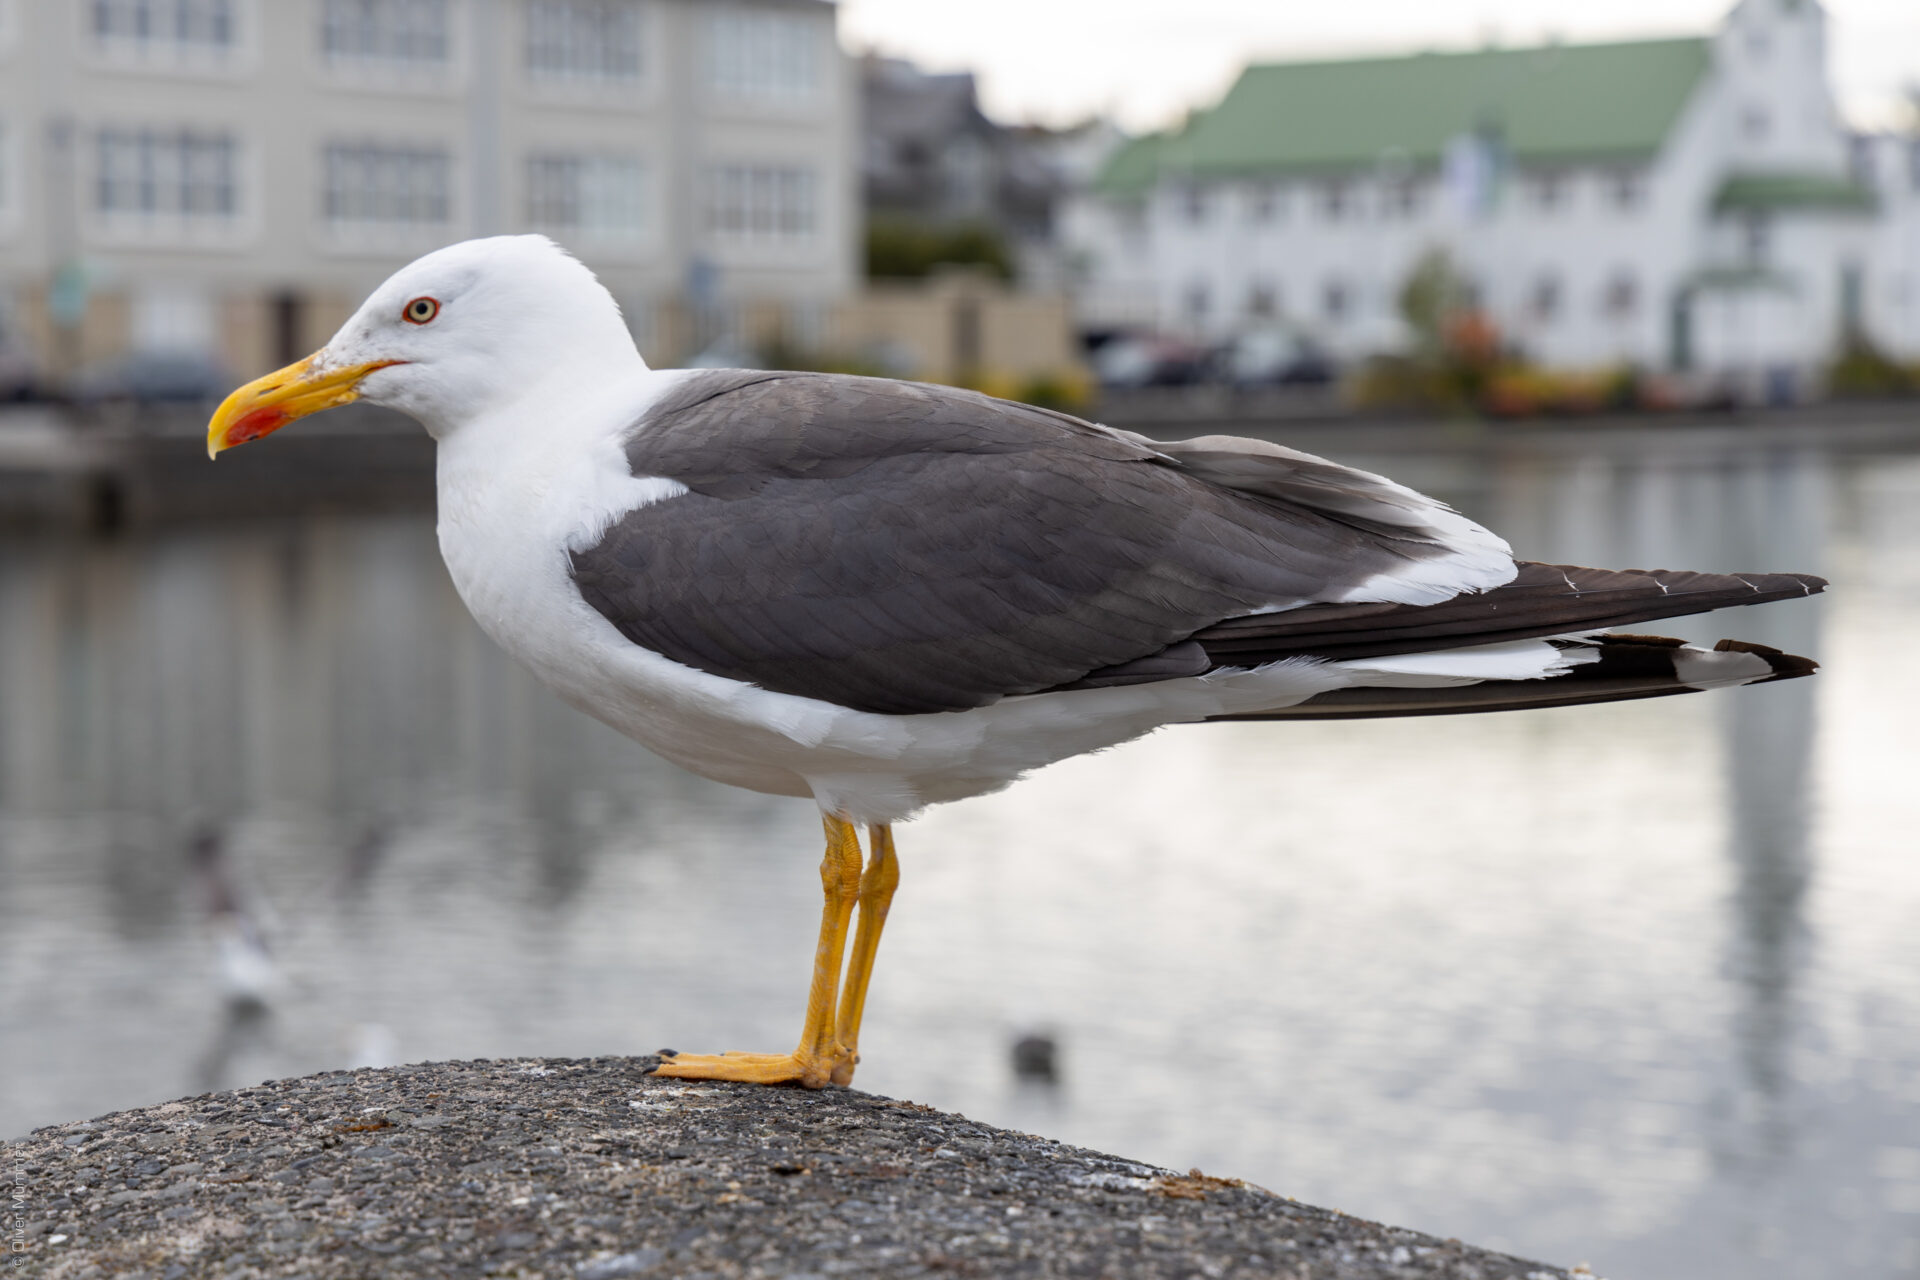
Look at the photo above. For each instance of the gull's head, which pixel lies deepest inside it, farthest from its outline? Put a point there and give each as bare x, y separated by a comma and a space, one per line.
464, 330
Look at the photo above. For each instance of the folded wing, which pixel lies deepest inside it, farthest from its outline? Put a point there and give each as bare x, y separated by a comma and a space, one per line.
902, 548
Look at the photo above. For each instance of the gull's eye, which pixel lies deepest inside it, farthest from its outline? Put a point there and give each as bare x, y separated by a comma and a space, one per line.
420, 311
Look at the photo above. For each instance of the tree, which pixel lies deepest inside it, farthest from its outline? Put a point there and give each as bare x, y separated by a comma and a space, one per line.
1433, 296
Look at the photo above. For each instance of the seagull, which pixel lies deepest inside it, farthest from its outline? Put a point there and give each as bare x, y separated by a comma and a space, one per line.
885, 595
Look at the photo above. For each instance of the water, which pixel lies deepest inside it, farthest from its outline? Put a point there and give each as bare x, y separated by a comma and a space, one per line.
1635, 985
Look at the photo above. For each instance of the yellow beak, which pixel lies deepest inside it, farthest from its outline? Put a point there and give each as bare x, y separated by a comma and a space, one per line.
267, 404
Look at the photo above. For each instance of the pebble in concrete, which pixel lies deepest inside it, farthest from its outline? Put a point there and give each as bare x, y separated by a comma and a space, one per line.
592, 1170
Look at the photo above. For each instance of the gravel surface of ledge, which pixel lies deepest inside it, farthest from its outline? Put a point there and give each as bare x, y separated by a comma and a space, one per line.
592, 1170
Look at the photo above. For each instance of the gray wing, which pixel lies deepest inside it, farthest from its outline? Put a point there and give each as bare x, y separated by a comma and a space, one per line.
902, 548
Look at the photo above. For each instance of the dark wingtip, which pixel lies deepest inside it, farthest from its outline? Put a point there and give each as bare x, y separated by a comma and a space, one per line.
1785, 665
1782, 586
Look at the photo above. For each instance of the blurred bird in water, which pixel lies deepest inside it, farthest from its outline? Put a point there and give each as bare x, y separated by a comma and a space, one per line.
248, 977
884, 595
248, 974
1036, 1058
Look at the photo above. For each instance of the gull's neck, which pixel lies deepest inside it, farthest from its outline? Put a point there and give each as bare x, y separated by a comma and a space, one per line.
542, 401
576, 409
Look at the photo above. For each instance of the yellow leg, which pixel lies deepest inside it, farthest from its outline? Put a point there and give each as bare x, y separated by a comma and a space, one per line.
815, 1062
876, 896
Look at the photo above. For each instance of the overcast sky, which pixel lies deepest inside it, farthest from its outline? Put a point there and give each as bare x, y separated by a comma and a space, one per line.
1147, 61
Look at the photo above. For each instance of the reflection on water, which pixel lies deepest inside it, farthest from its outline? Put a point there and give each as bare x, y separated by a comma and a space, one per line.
1630, 984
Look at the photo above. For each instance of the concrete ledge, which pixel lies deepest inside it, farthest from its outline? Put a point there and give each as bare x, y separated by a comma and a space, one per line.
592, 1170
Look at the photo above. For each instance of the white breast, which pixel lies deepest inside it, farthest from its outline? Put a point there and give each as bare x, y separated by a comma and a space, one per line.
514, 498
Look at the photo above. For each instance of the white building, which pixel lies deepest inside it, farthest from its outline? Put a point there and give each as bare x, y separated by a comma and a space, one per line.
1678, 204
233, 175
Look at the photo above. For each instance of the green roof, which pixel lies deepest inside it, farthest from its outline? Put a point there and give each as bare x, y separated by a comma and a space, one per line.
1133, 167
1553, 103
1741, 192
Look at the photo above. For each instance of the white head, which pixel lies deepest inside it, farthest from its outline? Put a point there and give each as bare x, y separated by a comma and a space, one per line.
464, 330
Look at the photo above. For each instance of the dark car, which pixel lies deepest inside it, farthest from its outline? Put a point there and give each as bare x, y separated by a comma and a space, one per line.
150, 378
19, 380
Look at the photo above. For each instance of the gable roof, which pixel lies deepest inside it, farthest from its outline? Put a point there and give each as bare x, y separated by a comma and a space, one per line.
1554, 103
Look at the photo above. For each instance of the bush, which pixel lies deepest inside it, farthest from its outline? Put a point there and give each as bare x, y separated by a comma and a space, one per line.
1068, 392
1862, 369
1459, 362
1520, 391
901, 249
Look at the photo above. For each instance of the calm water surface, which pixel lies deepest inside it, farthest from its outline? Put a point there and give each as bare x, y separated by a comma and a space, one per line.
1635, 985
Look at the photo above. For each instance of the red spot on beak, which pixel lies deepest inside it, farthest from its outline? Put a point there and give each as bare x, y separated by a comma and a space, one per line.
260, 422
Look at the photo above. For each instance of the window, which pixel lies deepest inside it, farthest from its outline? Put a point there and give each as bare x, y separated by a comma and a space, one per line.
1622, 296
165, 174
387, 184
1755, 123
1549, 191
1194, 205
754, 54
208, 24
1756, 239
1403, 198
1543, 303
760, 202
1335, 201
1263, 300
384, 30
584, 39
1913, 164
599, 197
1263, 204
1627, 189
1336, 301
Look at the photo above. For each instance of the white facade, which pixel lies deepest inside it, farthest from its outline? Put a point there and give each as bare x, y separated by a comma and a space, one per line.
1889, 165
251, 167
1659, 259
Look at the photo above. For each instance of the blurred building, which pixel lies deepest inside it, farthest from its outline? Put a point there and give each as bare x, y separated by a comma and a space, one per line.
1683, 204
930, 155
927, 150
233, 175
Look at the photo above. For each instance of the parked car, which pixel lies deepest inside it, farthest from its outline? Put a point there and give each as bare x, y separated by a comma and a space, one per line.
150, 378
1148, 360
1271, 357
19, 380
